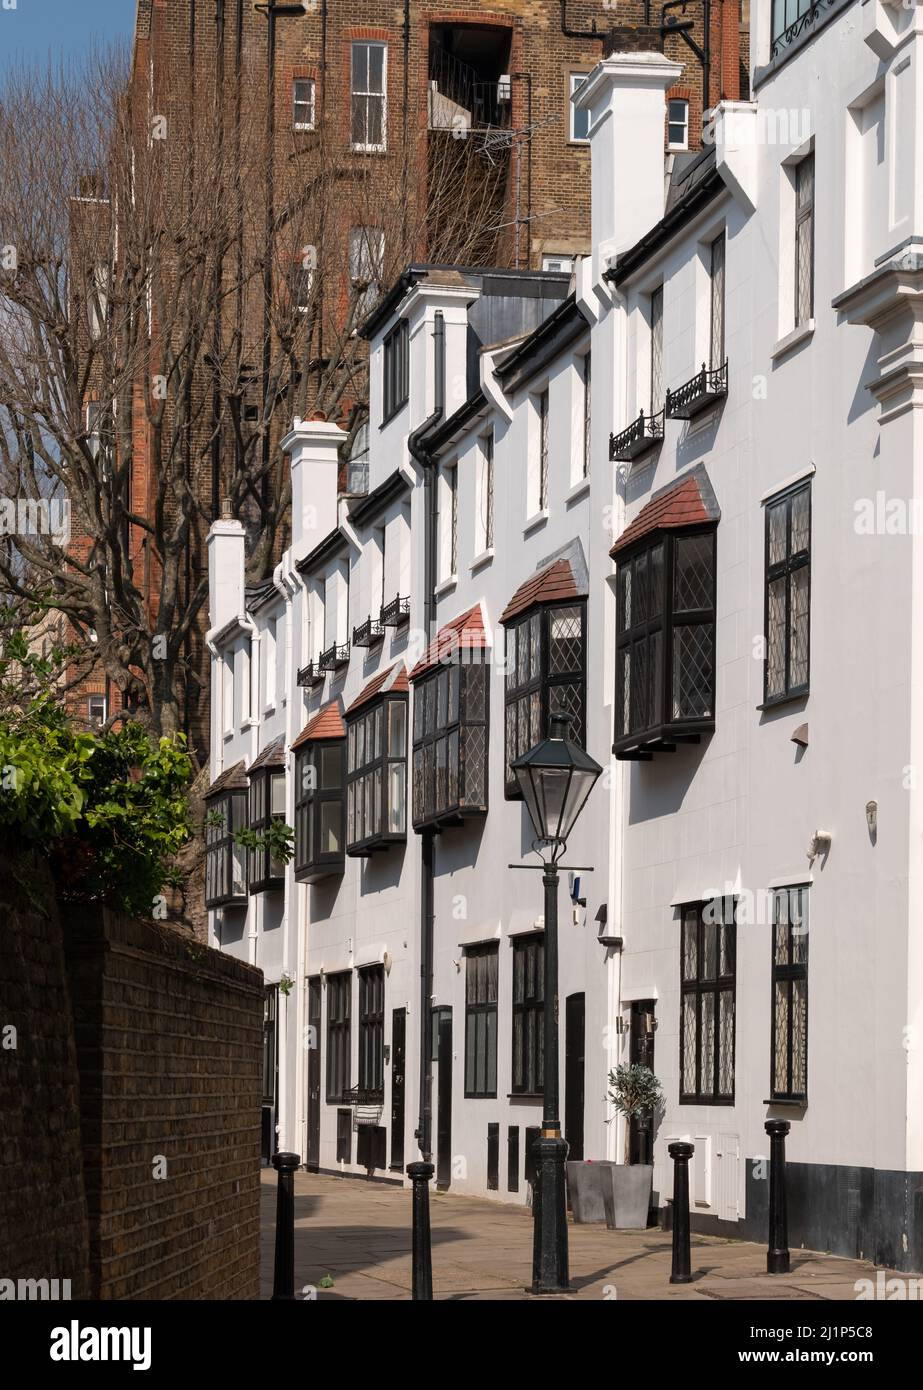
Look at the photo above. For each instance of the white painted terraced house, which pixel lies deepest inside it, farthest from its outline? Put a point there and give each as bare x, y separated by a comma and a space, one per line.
700, 568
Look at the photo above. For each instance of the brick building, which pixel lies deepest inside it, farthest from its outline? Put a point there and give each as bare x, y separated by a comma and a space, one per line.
378, 134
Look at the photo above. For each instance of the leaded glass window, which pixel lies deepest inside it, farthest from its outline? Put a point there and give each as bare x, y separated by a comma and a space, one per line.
481, 966
545, 675
528, 1014
376, 776
320, 789
267, 805
790, 994
804, 240
788, 594
665, 651
225, 860
450, 742
707, 1002
372, 1029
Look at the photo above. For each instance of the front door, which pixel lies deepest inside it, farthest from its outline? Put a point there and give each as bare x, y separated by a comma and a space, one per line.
574, 1049
641, 1132
314, 1073
398, 1048
444, 1102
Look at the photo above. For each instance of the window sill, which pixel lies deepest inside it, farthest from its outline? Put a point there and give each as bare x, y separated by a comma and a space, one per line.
579, 489
535, 522
779, 701
525, 1095
446, 586
269, 709
228, 735
394, 414
251, 722
791, 1104
798, 335
481, 560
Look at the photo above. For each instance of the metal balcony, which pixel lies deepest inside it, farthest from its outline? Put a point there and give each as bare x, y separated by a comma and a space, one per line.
704, 389
334, 657
639, 438
310, 675
395, 613
368, 633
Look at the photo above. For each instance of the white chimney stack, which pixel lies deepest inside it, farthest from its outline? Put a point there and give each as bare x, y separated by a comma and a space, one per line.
225, 572
625, 95
314, 449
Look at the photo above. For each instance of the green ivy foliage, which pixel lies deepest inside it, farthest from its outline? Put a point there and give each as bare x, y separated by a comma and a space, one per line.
108, 809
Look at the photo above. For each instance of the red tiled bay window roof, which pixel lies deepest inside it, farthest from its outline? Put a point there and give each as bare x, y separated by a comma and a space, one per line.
553, 584
688, 501
390, 682
326, 723
273, 755
465, 633
232, 779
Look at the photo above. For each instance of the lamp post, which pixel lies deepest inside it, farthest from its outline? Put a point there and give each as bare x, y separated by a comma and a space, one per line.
555, 778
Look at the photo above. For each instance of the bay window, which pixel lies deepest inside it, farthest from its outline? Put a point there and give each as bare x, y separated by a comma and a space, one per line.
665, 652
320, 787
376, 796
267, 805
450, 715
545, 675
225, 866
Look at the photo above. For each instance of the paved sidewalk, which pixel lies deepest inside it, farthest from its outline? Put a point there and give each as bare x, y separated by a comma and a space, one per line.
359, 1234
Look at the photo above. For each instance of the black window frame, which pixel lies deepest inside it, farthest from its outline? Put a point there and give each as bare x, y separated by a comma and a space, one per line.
586, 380
220, 847
663, 724
395, 367
711, 914
372, 1032
787, 973
804, 216
717, 287
528, 1037
544, 445
451, 702
487, 498
381, 837
481, 979
339, 1037
542, 682
264, 874
312, 862
793, 562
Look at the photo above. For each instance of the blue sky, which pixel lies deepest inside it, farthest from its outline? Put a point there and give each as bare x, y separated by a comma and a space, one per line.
61, 28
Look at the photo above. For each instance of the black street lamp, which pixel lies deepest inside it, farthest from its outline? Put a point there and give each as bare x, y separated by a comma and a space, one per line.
555, 777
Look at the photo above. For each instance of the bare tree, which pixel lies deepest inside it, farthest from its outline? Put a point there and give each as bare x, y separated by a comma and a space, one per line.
165, 313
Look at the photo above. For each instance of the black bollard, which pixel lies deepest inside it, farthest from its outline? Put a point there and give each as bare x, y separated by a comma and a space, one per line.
420, 1174
283, 1277
681, 1270
777, 1257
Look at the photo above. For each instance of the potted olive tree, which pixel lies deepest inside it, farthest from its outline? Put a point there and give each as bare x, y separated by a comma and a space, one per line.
634, 1092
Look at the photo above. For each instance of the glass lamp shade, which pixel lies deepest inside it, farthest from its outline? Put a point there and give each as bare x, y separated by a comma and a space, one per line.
555, 778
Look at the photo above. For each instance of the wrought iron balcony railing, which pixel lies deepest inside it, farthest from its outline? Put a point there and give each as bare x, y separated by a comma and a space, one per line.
334, 657
704, 389
310, 675
783, 38
395, 613
640, 436
368, 633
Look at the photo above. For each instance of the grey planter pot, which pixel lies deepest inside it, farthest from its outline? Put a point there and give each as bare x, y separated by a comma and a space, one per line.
627, 1195
586, 1186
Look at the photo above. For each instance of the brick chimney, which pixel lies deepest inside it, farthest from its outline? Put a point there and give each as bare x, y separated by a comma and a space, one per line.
626, 97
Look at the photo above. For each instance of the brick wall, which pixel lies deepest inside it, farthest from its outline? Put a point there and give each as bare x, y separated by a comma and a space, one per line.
169, 1047
43, 1224
130, 1107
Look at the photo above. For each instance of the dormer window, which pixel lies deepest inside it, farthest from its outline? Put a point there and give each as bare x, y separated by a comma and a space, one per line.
320, 797
665, 646
225, 862
376, 766
545, 662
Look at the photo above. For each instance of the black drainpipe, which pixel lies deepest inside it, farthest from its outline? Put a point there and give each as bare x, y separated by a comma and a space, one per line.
424, 458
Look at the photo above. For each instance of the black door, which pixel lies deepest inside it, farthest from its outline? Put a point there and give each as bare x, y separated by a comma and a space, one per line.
574, 1049
398, 1048
641, 1130
444, 1103
314, 1073
269, 1142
